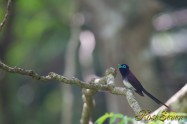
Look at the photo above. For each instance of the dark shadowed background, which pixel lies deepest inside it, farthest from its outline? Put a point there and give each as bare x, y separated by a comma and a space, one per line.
82, 38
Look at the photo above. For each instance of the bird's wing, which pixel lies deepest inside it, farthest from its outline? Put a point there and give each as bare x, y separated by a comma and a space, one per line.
139, 88
135, 83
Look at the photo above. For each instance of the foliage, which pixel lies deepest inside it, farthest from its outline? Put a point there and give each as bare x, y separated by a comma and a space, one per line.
114, 118
122, 119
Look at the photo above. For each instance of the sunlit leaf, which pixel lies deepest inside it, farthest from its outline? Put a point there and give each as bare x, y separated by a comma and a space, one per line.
102, 119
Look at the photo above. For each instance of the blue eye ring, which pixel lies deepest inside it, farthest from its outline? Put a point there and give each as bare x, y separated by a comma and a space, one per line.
124, 66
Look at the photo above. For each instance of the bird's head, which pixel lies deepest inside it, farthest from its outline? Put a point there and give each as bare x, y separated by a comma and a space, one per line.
124, 69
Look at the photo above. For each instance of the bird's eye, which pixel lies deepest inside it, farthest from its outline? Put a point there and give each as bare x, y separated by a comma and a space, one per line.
124, 66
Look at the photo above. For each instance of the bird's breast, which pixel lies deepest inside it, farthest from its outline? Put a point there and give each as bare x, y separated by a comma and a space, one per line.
128, 84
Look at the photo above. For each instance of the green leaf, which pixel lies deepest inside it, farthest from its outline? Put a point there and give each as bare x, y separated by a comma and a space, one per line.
112, 119
122, 121
102, 119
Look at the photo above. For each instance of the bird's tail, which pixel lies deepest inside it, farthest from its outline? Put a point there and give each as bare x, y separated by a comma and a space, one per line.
154, 98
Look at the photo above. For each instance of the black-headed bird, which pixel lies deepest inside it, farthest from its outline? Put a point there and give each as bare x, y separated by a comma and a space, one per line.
131, 82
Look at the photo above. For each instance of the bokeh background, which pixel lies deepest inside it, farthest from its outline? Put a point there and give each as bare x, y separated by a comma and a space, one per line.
82, 38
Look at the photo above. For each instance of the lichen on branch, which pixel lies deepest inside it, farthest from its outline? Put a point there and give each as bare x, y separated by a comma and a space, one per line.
105, 83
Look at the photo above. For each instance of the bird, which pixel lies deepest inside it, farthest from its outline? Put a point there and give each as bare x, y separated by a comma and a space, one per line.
131, 82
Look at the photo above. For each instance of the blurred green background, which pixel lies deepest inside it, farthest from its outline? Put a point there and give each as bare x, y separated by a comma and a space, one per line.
81, 38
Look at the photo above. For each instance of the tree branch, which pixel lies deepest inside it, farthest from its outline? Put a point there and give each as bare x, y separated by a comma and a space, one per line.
106, 83
88, 105
176, 102
99, 85
6, 15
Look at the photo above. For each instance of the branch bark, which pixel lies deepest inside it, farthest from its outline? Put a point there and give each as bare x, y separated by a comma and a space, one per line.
106, 83
88, 105
176, 102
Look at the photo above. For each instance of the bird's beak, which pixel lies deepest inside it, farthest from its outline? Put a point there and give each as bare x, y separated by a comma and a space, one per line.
119, 66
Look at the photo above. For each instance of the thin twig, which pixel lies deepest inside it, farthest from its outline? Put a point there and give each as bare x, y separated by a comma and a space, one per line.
6, 15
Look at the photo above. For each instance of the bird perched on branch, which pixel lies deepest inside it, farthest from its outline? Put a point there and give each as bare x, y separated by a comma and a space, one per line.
131, 82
